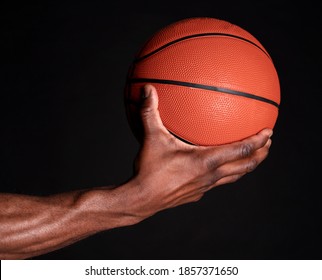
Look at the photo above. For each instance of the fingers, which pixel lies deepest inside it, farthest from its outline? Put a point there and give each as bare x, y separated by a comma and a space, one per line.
232, 171
149, 111
245, 165
238, 150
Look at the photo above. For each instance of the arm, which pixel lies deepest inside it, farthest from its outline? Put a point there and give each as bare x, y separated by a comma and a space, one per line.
31, 225
168, 173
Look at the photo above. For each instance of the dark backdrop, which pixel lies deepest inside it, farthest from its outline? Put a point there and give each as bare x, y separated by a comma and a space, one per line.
63, 127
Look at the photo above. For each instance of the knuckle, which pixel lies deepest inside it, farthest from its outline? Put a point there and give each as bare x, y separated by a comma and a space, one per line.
146, 111
251, 165
218, 174
210, 163
246, 149
199, 162
215, 176
203, 159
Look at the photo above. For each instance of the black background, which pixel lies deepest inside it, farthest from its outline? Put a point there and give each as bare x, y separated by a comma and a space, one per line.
63, 127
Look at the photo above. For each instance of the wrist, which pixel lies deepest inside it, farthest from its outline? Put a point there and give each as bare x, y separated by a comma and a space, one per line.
138, 199
107, 208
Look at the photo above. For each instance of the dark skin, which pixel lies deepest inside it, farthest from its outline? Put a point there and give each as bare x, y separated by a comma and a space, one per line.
168, 173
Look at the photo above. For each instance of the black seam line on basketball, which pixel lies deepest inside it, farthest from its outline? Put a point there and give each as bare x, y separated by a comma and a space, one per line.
198, 35
200, 86
182, 139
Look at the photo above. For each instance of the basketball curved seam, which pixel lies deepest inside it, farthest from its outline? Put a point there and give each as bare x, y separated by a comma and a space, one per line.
207, 87
180, 138
195, 36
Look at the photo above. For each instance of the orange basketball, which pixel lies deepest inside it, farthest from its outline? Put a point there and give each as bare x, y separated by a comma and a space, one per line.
215, 81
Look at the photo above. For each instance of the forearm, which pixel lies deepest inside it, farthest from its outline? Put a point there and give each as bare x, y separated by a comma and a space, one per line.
31, 226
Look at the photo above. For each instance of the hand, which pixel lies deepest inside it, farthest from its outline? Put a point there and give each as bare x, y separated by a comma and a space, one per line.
170, 172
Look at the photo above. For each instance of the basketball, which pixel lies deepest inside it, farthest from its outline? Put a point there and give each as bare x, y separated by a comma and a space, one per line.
216, 82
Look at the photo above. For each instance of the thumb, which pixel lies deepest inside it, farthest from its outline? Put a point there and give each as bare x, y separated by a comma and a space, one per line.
149, 111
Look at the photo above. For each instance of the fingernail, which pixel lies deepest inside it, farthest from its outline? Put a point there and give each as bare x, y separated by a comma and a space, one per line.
270, 134
269, 143
145, 93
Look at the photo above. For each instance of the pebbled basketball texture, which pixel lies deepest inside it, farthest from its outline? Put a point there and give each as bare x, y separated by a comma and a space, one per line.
215, 81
